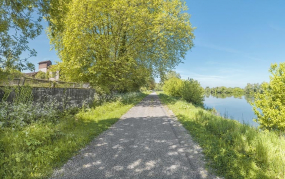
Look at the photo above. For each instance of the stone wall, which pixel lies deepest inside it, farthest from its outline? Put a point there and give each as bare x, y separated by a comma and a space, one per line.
75, 96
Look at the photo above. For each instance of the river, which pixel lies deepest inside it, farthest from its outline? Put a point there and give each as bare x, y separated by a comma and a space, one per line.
237, 108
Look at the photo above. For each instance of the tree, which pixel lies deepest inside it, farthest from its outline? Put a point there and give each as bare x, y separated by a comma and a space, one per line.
19, 23
269, 106
119, 43
170, 74
253, 88
158, 87
17, 27
172, 87
207, 89
248, 88
150, 83
41, 75
192, 92
7, 75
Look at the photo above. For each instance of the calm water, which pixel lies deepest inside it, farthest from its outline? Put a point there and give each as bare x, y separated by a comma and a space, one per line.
235, 108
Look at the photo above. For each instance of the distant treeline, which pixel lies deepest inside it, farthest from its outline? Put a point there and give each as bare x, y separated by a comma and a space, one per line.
236, 91
223, 90
253, 88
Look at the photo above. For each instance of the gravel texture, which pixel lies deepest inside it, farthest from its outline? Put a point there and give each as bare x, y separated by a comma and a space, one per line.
147, 142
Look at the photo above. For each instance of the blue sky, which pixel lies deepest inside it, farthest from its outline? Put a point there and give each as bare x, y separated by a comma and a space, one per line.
235, 42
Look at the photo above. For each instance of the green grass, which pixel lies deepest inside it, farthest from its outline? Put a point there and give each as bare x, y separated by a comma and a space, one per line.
36, 150
232, 149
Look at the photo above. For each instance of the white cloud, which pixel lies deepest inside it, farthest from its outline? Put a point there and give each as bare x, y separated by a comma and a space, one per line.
229, 50
213, 80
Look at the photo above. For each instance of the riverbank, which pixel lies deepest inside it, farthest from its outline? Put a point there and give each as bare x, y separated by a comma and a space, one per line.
231, 107
232, 149
33, 151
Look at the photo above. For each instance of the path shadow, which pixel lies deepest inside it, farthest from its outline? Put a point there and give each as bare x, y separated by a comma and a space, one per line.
140, 147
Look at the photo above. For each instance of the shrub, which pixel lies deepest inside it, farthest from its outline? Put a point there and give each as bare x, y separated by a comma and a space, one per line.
192, 92
158, 87
23, 111
172, 87
269, 105
7, 75
17, 115
34, 150
41, 75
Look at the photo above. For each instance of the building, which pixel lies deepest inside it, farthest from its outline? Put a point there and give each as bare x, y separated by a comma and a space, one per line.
44, 66
31, 74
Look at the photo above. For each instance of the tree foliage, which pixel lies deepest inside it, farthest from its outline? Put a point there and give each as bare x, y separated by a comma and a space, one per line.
269, 105
17, 26
173, 86
158, 86
6, 76
20, 22
190, 90
224, 90
120, 43
170, 74
253, 88
42, 75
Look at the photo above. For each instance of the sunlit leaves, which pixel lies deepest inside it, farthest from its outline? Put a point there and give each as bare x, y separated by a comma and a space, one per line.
115, 43
19, 22
190, 89
173, 87
269, 105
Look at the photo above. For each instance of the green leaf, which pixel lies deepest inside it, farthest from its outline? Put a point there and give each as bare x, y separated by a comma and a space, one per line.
18, 160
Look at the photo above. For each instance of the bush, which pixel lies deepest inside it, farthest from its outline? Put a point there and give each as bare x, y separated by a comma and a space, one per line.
35, 149
269, 105
23, 111
158, 87
41, 75
20, 115
8, 75
172, 87
192, 92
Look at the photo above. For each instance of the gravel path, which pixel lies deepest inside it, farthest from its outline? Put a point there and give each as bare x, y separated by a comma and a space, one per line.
147, 142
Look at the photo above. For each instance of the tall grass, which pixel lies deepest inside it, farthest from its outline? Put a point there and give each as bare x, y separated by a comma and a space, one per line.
233, 150
35, 149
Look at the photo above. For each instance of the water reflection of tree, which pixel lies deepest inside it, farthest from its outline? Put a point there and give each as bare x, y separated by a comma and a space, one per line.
224, 95
236, 92
248, 97
207, 94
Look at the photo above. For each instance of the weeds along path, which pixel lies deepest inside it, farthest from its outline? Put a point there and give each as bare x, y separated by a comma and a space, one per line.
147, 142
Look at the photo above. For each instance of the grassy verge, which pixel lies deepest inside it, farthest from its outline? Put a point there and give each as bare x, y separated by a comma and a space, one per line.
232, 149
35, 150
